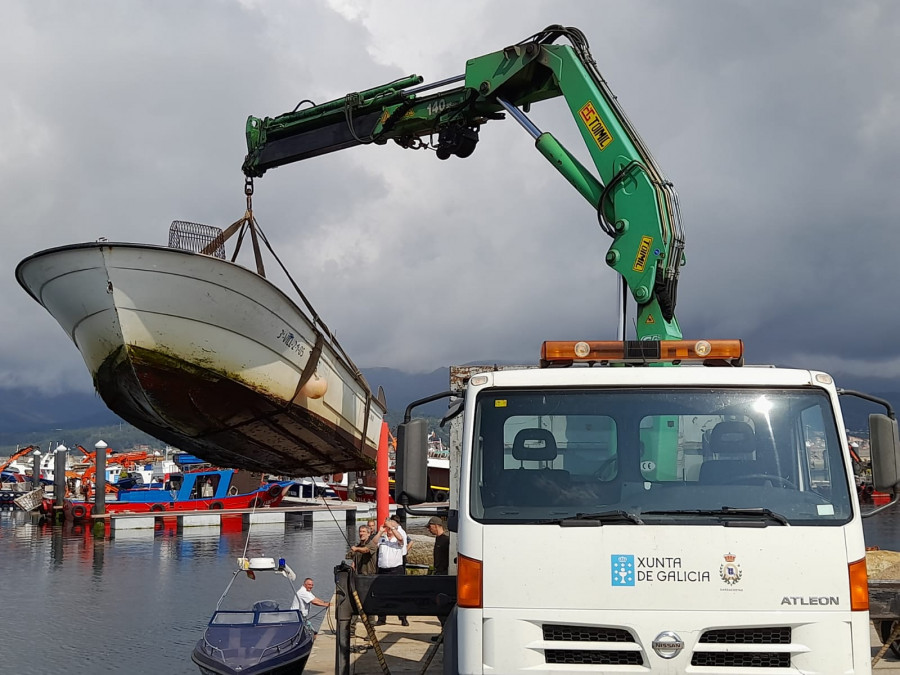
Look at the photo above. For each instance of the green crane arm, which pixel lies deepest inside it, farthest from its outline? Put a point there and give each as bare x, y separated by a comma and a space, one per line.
635, 204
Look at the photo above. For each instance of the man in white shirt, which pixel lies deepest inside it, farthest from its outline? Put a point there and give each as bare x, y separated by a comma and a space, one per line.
391, 549
305, 598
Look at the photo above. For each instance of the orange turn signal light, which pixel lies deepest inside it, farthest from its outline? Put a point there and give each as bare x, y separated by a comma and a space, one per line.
468, 582
859, 586
642, 351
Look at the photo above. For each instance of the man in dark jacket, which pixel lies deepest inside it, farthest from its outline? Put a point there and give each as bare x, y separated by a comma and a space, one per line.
441, 545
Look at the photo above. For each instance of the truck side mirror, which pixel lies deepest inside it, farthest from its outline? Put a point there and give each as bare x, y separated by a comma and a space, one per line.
412, 462
884, 446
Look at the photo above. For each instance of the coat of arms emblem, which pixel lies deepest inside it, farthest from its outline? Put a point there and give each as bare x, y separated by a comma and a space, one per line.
730, 570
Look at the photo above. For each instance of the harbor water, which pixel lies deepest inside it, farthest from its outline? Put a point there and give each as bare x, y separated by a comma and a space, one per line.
138, 603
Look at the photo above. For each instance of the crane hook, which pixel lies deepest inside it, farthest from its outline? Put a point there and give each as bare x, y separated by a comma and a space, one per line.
248, 190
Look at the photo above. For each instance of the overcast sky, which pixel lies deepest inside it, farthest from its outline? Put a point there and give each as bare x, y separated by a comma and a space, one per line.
778, 123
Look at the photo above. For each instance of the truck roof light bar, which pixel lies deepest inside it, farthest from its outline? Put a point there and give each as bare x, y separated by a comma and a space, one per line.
708, 352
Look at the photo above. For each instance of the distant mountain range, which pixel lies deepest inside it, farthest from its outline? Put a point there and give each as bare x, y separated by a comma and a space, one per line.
23, 410
401, 389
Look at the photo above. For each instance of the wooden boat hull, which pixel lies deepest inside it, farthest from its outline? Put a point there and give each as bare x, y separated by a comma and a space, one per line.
209, 357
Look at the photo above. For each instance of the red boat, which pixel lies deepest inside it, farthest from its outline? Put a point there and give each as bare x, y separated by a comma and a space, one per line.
195, 491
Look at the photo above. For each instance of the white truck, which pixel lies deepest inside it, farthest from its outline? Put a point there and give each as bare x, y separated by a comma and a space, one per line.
691, 519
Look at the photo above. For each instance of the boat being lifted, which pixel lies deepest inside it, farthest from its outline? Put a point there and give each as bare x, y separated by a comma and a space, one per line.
209, 356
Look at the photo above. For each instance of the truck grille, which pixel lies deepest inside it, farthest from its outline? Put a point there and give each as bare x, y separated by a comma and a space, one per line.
762, 637
592, 658
742, 659
585, 634
748, 636
590, 634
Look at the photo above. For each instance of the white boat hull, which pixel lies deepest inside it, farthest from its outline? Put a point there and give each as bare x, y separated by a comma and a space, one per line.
208, 356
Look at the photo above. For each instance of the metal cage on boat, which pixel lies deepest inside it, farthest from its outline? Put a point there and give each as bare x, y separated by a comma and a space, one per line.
197, 238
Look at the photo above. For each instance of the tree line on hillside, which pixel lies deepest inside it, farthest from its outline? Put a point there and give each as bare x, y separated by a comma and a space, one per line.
118, 437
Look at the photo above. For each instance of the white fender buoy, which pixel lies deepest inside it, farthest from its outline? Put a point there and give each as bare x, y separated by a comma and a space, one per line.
315, 387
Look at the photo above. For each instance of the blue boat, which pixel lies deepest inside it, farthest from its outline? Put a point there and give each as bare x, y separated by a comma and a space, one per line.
264, 639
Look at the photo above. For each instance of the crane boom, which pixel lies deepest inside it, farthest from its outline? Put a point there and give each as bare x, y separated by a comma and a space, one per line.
636, 205
18, 454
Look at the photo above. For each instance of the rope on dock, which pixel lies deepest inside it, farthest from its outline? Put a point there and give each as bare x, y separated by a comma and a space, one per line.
895, 635
370, 630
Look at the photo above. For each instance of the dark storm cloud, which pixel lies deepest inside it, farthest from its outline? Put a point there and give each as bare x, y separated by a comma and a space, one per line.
777, 122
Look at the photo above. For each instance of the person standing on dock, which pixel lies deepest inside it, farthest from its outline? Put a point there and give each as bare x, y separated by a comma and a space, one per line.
441, 545
391, 547
305, 598
364, 553
441, 555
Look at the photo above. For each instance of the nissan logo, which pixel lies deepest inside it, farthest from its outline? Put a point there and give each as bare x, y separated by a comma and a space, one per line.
667, 645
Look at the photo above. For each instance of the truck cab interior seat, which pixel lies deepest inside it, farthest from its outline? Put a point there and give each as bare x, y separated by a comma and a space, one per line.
734, 447
534, 486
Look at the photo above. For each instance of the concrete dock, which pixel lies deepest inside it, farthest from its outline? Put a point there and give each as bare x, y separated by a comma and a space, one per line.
406, 649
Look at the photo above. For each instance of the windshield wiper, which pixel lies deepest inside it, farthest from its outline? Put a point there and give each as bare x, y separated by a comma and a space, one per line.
594, 519
725, 511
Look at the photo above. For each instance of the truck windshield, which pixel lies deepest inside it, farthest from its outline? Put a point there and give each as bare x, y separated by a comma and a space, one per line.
660, 455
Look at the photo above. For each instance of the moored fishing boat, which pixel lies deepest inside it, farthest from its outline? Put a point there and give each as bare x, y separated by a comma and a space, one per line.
195, 491
209, 356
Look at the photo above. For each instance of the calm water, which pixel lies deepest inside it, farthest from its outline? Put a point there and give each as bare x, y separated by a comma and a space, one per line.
138, 603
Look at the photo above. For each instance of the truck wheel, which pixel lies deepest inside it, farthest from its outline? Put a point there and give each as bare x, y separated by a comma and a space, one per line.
886, 628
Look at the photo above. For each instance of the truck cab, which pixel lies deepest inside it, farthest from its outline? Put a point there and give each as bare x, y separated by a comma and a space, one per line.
656, 519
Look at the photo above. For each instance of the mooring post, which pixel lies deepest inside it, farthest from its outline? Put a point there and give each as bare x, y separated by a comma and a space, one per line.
59, 481
36, 470
100, 484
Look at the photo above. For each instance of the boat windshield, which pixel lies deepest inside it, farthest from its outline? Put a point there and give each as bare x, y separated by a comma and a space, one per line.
284, 616
248, 618
755, 457
233, 618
